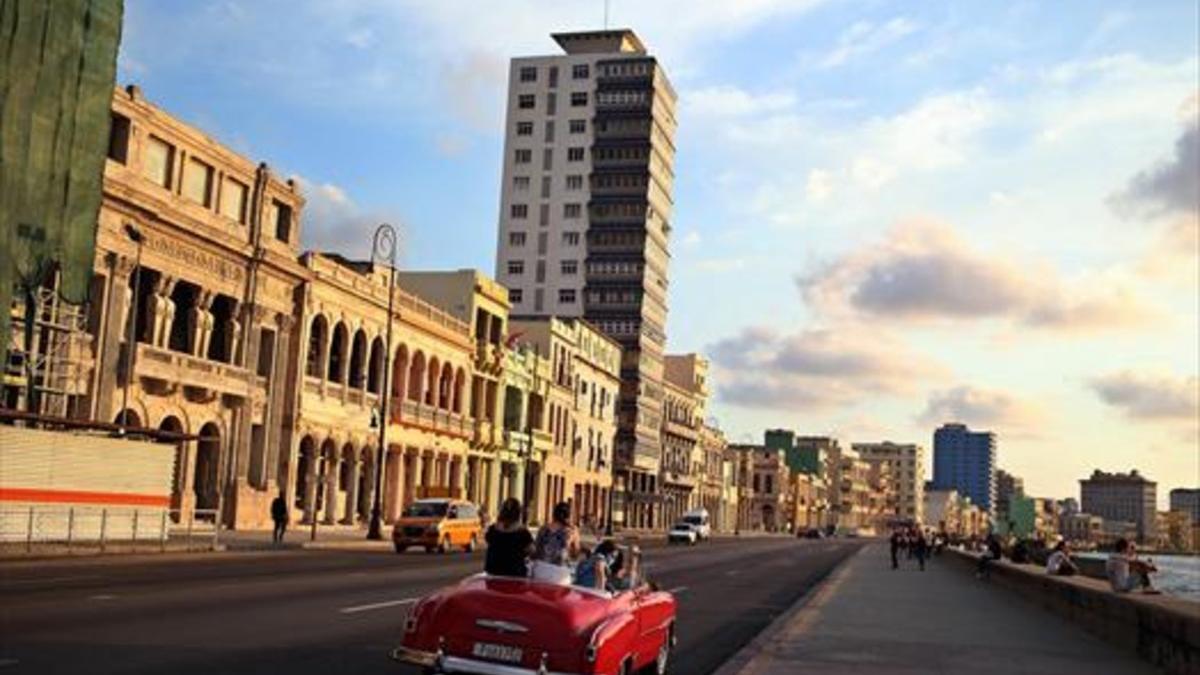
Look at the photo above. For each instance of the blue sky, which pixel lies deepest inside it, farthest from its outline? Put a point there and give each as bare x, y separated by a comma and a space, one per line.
888, 215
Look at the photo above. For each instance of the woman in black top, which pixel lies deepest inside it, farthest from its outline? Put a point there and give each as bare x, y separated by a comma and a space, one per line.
508, 542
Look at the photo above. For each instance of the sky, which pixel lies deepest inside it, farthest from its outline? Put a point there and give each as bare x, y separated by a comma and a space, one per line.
887, 215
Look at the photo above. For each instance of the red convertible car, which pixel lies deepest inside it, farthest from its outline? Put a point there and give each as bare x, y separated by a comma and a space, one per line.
516, 626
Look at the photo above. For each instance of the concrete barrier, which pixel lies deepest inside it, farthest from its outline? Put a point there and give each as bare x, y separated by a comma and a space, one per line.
1161, 629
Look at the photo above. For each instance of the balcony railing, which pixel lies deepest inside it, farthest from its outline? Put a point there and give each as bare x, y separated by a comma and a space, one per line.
175, 367
415, 414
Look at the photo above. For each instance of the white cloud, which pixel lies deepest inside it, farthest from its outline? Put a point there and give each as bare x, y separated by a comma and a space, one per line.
334, 222
691, 239
729, 101
818, 186
864, 38
1151, 396
992, 409
924, 271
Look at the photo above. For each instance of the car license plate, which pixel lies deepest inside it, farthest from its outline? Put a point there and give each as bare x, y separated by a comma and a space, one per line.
487, 650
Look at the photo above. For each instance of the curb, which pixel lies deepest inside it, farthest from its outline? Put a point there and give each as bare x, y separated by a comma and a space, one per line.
742, 662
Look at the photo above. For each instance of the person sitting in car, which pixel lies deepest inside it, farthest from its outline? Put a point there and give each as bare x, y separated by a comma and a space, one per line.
594, 571
508, 543
556, 547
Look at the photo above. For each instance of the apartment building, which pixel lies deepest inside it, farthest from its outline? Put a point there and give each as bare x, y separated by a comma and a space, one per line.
902, 467
583, 382
684, 407
1121, 497
966, 461
585, 213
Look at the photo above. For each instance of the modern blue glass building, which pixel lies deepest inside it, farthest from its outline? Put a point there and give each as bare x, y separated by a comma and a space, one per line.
965, 460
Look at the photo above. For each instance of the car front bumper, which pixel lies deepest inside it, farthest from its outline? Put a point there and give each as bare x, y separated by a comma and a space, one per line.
442, 663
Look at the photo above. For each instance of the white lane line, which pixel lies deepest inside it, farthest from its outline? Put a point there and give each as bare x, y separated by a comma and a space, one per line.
377, 605
677, 590
102, 596
52, 580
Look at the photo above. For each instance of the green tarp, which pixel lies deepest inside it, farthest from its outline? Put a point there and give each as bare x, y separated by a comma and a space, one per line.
58, 62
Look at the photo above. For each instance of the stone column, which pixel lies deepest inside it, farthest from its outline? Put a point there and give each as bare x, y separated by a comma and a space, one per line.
331, 476
200, 323
493, 495
458, 477
418, 474
116, 328
310, 487
518, 489
351, 491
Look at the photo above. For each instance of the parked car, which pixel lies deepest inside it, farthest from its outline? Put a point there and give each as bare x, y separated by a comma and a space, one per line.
810, 533
438, 525
519, 626
683, 533
699, 521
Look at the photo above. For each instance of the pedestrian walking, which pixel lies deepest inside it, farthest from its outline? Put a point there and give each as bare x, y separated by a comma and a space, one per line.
279, 514
895, 548
920, 548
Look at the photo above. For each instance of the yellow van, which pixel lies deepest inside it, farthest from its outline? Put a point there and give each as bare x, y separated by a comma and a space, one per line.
438, 525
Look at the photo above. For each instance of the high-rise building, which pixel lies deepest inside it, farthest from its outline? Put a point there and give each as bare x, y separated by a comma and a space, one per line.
585, 212
966, 461
904, 466
812, 454
1188, 501
1121, 496
1008, 487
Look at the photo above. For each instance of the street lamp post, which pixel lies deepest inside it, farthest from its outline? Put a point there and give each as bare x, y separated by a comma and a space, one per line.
383, 247
131, 335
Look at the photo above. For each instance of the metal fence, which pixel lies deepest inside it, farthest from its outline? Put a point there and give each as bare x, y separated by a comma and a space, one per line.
53, 529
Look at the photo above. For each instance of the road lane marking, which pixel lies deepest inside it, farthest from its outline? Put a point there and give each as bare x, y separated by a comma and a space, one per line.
732, 573
103, 596
377, 605
52, 580
677, 590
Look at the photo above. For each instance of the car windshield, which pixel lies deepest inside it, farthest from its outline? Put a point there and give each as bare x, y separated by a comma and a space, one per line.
682, 526
426, 510
694, 520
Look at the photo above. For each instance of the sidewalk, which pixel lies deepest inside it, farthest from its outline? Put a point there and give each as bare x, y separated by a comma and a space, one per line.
867, 619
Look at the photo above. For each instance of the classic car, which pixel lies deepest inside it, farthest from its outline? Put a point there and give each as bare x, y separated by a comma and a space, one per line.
518, 626
683, 533
438, 525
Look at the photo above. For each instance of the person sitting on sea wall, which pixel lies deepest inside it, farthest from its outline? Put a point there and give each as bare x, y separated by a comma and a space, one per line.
1125, 572
1060, 563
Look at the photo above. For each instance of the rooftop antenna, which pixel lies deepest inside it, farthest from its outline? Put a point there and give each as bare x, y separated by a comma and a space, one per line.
605, 14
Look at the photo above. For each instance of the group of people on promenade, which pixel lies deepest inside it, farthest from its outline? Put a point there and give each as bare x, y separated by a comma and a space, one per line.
914, 542
1124, 570
556, 555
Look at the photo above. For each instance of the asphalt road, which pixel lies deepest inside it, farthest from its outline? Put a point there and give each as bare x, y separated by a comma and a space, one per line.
301, 612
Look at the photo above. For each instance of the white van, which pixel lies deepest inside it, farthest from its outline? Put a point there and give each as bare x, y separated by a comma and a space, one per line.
699, 521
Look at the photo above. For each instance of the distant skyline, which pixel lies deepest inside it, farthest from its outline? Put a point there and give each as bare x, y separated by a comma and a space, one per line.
888, 215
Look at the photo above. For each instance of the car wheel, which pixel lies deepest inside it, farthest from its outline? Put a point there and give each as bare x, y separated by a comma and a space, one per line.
663, 660
444, 547
401, 548
470, 547
429, 549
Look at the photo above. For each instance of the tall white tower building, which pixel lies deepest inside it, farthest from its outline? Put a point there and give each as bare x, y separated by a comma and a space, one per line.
584, 223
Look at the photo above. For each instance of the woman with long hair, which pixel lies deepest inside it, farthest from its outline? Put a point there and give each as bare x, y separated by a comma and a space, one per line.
556, 548
508, 542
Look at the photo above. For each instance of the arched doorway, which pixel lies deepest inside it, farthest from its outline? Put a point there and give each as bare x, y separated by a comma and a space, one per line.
128, 418
208, 461
768, 517
304, 473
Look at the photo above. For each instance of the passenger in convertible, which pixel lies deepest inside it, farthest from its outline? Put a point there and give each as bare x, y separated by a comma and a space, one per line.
595, 571
508, 543
556, 548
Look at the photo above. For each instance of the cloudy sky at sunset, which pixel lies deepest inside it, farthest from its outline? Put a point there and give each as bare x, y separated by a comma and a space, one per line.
888, 215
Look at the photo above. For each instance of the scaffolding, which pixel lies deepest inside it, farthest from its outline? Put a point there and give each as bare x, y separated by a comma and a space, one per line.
47, 372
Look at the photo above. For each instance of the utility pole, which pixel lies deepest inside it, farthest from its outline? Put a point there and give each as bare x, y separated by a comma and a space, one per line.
383, 248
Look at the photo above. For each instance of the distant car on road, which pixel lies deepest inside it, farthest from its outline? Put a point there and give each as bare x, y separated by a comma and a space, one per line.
439, 525
519, 626
683, 533
810, 533
699, 521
